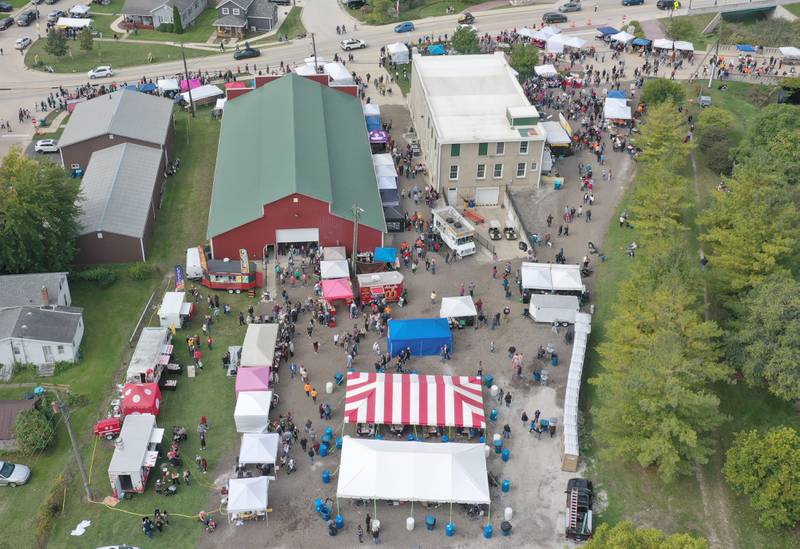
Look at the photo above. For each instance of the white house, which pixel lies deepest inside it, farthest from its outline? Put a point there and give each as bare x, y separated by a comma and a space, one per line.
34, 290
152, 13
40, 335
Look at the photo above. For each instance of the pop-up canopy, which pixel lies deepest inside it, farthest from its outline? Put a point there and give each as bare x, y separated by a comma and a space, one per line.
616, 109
168, 84
141, 398
413, 471
251, 414
331, 253
399, 53
336, 268
384, 255
545, 71
259, 448
247, 495
258, 348
424, 336
605, 31
457, 307
252, 379
622, 37
551, 278
336, 289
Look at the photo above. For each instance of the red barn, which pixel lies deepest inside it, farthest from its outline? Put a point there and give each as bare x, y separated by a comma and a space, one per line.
293, 167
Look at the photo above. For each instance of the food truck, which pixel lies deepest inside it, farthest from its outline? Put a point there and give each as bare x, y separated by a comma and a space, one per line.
135, 453
233, 276
175, 310
455, 231
387, 285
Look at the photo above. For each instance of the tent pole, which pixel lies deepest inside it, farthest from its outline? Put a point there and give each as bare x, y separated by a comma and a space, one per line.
412, 507
451, 511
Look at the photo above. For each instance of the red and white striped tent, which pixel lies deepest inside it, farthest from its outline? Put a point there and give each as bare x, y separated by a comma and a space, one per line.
411, 399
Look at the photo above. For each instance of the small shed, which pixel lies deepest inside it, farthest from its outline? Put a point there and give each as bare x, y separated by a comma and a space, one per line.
337, 268
9, 410
259, 448
251, 414
141, 398
387, 285
174, 310
247, 496
252, 379
135, 453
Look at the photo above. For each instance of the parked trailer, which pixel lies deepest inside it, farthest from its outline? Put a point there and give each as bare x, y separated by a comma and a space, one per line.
455, 230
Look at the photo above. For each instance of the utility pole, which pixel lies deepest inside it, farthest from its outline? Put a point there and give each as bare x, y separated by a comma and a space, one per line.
716, 54
186, 76
60, 407
356, 212
314, 50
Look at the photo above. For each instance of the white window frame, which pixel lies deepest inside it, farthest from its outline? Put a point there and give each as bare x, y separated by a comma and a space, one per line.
450, 172
60, 349
500, 148
524, 147
524, 167
225, 11
236, 11
478, 171
534, 166
494, 171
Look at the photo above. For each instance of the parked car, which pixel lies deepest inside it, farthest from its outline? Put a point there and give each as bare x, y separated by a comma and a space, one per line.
36, 2
406, 26
13, 474
354, 4
570, 6
53, 16
352, 44
466, 18
632, 2
580, 496
246, 53
473, 28
5, 23
554, 17
668, 4
46, 146
26, 18
22, 43
50, 2
5, 6
100, 72
281, 2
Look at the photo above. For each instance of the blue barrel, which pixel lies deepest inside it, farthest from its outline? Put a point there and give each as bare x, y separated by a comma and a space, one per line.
506, 454
493, 415
318, 505
326, 513
323, 450
488, 380
505, 528
326, 476
326, 439
329, 431
498, 446
450, 529
506, 485
554, 361
339, 377
430, 522
488, 530
410, 437
379, 437
339, 442
482, 440
537, 376
339, 520
445, 438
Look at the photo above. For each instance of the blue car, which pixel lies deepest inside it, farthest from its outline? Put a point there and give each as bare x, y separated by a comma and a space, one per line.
632, 2
408, 26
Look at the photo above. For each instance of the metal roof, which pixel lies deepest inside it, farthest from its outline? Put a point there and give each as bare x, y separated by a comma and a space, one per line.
147, 7
117, 189
263, 9
126, 113
26, 289
56, 324
290, 136
9, 410
131, 445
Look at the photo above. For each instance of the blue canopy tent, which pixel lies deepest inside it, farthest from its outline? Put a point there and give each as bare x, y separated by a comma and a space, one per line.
606, 31
617, 94
436, 49
374, 123
147, 88
641, 42
424, 336
745, 48
385, 255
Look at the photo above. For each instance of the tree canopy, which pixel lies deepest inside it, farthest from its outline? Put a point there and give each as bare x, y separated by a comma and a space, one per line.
626, 536
85, 39
659, 90
661, 137
524, 57
657, 202
771, 143
33, 431
56, 43
465, 41
38, 215
716, 138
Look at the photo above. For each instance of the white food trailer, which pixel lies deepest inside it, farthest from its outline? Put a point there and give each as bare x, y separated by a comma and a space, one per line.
456, 232
135, 453
174, 310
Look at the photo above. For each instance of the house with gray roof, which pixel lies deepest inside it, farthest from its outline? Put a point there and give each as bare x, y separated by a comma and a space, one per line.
34, 290
121, 192
236, 17
149, 14
40, 335
124, 116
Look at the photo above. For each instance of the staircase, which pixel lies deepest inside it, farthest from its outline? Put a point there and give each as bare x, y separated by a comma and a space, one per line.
46, 370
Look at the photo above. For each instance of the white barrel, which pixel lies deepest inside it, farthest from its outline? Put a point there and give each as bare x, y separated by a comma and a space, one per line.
487, 450
508, 513
410, 523
329, 387
494, 390
496, 436
376, 525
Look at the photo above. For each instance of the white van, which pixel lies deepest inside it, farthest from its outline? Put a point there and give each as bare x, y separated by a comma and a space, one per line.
455, 231
194, 268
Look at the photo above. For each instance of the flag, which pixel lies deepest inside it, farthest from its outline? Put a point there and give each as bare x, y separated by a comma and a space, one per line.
179, 278
244, 261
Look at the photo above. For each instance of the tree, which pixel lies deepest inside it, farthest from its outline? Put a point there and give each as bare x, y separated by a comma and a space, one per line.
56, 43
680, 28
716, 138
791, 87
659, 90
523, 58
767, 339
38, 215
657, 201
766, 467
661, 137
625, 536
33, 431
380, 11
751, 230
177, 25
771, 143
85, 39
465, 41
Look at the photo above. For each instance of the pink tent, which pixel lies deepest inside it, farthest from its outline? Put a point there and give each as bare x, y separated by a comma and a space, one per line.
234, 85
193, 83
337, 288
252, 379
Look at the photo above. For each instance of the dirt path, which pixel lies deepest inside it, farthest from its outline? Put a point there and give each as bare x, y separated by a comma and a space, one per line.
652, 29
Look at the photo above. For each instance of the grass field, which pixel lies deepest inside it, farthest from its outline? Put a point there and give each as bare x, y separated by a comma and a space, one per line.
429, 8
689, 28
793, 8
115, 7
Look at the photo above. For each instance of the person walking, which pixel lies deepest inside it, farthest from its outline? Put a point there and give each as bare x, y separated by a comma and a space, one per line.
314, 394
307, 389
506, 431
311, 454
524, 418
360, 534
368, 522
316, 347
202, 441
204, 465
147, 527
508, 400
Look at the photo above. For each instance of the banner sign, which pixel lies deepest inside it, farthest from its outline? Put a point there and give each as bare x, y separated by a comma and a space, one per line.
179, 278
245, 261
203, 261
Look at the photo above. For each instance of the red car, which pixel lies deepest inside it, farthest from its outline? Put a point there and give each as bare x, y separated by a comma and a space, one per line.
108, 428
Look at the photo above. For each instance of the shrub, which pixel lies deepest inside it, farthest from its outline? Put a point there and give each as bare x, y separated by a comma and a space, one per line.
33, 431
140, 271
104, 277
49, 510
165, 27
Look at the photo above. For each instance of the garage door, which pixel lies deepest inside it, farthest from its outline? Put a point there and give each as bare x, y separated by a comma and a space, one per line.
487, 196
287, 236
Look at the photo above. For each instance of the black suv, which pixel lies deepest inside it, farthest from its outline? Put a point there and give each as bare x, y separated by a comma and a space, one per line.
5, 6
554, 17
580, 497
668, 4
6, 22
26, 18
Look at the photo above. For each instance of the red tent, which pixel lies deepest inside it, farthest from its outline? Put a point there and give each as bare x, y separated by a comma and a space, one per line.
337, 288
141, 398
234, 85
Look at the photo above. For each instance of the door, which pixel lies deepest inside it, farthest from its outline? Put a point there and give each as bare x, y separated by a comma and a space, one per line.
487, 196
48, 353
452, 196
125, 483
291, 236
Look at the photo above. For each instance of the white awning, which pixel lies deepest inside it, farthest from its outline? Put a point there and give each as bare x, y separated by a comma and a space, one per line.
413, 471
387, 183
545, 70
383, 159
259, 448
573, 42
663, 44
551, 278
684, 46
203, 92
338, 73
546, 32
79, 9
457, 307
252, 411
258, 348
790, 51
556, 135
73, 23
554, 44
247, 495
168, 84
616, 109
334, 252
622, 37
525, 32
337, 268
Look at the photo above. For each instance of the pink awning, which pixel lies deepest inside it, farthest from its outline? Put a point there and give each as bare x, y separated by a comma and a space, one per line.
191, 84
234, 85
411, 399
252, 379
337, 288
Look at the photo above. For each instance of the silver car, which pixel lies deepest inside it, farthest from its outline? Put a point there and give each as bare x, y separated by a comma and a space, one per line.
13, 474
570, 6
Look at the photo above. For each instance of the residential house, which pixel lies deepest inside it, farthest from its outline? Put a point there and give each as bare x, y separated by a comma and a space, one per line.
40, 335
34, 290
9, 410
237, 17
149, 14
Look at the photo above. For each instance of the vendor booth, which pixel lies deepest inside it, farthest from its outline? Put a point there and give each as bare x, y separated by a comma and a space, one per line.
251, 414
460, 310
141, 398
413, 471
247, 499
548, 277
790, 54
258, 348
622, 37
395, 219
371, 109
233, 276
570, 446
424, 336
73, 23
252, 379
204, 95
337, 268
331, 253
337, 289
387, 285
554, 308
79, 10
545, 71
411, 399
153, 351
398, 53
174, 310
385, 255
616, 109
558, 139
258, 448
135, 453
663, 44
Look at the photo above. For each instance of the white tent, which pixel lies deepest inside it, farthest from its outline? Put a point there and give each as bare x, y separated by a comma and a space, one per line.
337, 268
546, 32
252, 411
457, 307
371, 109
684, 46
305, 70
413, 471
385, 171
616, 109
320, 60
623, 37
573, 42
571, 451
526, 32
79, 10
168, 84
556, 135
259, 448
545, 71
567, 278
549, 308
203, 92
220, 104
399, 53
387, 183
73, 23
790, 52
339, 74
554, 44
383, 159
172, 308
258, 348
663, 44
248, 495
551, 278
334, 252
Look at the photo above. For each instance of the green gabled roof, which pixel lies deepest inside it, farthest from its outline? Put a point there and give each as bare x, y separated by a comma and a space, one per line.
293, 135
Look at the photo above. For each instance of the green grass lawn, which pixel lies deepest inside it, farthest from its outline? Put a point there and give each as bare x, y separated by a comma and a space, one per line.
428, 8
690, 28
793, 8
291, 27
116, 54
114, 7
403, 77
200, 31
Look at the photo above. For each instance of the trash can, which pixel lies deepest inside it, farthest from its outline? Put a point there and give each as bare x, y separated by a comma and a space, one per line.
488, 530
508, 513
329, 388
450, 529
339, 377
339, 442
505, 454
445, 438
505, 487
505, 528
488, 380
329, 431
493, 415
498, 446
410, 524
326, 439
339, 520
430, 522
326, 476
323, 450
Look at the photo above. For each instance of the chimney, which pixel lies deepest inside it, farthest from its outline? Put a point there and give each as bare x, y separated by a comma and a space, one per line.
45, 296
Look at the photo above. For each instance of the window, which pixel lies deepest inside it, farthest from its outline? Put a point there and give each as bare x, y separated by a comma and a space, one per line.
61, 349
453, 173
523, 147
521, 169
498, 171
225, 11
501, 148
534, 166
455, 150
481, 173
235, 11
483, 149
